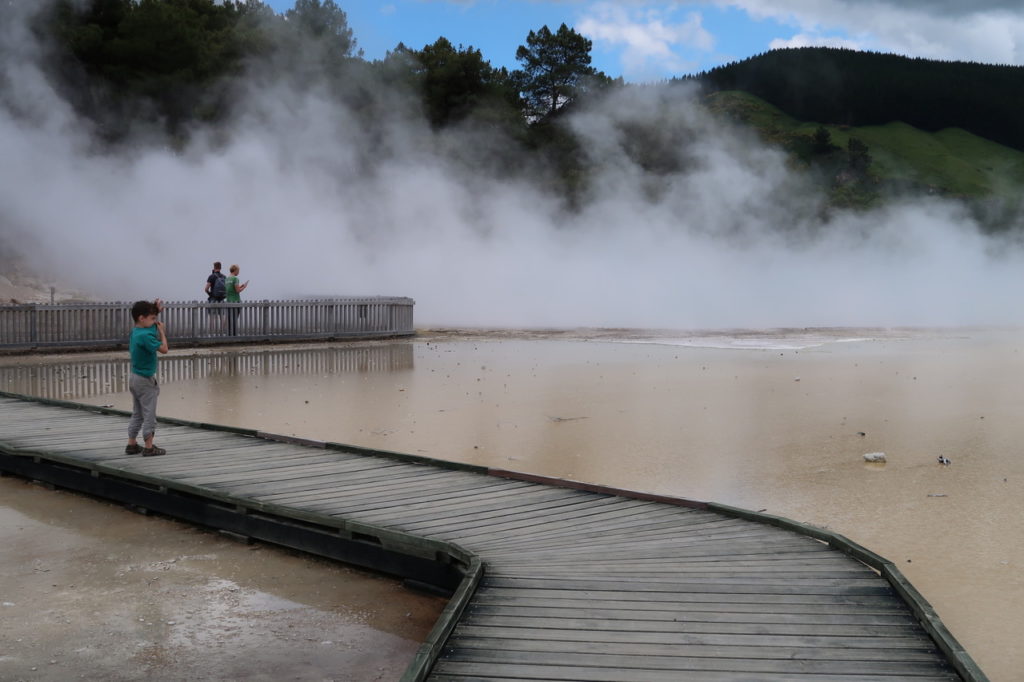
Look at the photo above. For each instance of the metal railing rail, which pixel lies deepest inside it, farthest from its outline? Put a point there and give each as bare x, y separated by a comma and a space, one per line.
105, 324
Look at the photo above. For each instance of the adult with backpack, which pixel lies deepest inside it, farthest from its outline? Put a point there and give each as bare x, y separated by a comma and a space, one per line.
216, 291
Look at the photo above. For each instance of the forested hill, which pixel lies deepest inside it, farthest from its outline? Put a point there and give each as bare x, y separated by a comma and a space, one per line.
845, 87
166, 72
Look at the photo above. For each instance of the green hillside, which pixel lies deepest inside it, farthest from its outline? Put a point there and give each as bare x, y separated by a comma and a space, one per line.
850, 87
950, 162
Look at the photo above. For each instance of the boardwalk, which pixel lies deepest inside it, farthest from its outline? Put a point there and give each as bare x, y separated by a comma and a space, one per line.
85, 325
549, 582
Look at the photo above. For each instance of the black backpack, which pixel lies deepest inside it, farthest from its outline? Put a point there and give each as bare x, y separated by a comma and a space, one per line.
219, 288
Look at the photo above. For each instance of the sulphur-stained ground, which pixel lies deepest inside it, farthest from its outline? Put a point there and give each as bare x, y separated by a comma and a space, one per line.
92, 591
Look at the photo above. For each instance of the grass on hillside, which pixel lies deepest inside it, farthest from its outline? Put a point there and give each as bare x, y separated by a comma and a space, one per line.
948, 162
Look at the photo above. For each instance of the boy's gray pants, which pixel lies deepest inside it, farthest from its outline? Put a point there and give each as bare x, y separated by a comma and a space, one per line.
144, 392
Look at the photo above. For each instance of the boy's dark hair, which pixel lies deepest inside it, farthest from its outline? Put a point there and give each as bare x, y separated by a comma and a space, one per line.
143, 308
216, 265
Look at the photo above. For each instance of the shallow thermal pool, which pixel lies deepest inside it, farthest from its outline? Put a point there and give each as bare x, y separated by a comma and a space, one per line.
775, 420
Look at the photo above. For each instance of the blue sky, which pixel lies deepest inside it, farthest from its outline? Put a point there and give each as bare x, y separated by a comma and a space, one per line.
645, 40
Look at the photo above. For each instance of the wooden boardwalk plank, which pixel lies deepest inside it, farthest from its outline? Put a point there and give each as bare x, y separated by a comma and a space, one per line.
452, 488
338, 478
522, 500
680, 623
541, 524
570, 639
677, 520
649, 522
587, 609
686, 664
594, 584
564, 507
462, 670
699, 563
605, 508
872, 604
480, 648
462, 514
182, 462
748, 549
248, 472
365, 500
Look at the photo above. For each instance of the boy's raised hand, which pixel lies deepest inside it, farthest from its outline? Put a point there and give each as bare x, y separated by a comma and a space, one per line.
159, 305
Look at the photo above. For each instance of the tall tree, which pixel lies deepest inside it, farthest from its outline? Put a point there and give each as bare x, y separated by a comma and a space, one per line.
456, 82
556, 67
146, 57
323, 20
317, 42
821, 142
859, 157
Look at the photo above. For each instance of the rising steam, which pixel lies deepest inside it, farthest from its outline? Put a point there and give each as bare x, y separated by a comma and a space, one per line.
308, 204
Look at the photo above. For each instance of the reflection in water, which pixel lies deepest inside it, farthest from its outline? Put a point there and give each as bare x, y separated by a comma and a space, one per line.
83, 379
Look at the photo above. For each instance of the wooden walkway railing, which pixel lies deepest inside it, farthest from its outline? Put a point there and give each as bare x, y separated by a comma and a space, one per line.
107, 324
550, 580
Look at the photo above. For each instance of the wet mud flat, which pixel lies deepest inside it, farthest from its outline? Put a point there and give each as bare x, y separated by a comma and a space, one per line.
774, 420
90, 590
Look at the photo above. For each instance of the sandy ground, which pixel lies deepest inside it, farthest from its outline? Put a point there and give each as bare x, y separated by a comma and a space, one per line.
776, 420
21, 288
92, 591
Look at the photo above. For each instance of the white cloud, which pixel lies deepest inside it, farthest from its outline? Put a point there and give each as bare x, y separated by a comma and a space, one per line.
991, 32
650, 37
810, 40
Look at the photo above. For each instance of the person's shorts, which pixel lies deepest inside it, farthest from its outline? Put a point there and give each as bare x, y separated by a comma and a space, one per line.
215, 309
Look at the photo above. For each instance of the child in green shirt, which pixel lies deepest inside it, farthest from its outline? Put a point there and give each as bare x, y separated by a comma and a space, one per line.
147, 339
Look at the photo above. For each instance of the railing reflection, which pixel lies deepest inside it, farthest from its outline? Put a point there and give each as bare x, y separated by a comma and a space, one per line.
83, 379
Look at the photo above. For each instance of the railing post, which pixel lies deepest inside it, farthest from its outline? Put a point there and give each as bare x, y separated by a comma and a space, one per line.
265, 313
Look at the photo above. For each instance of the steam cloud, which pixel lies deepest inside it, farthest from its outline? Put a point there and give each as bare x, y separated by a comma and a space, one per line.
307, 204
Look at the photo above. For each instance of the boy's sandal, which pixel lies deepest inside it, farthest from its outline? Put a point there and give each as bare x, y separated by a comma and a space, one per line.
132, 449
153, 452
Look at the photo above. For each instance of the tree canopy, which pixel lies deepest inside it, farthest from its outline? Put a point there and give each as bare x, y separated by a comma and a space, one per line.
172, 64
456, 82
555, 68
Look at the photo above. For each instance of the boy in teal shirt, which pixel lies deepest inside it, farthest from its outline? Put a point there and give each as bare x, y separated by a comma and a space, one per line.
147, 339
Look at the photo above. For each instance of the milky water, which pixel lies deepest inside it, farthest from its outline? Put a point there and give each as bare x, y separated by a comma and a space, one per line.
778, 420
90, 590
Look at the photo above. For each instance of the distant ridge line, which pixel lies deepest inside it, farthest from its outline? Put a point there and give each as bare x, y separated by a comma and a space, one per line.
848, 87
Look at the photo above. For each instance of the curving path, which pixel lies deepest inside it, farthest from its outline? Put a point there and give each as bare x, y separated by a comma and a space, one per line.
550, 580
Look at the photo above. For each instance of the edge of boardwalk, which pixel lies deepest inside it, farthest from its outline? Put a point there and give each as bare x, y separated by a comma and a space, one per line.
470, 566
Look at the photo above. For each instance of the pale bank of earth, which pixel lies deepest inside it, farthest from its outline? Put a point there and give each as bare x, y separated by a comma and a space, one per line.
16, 288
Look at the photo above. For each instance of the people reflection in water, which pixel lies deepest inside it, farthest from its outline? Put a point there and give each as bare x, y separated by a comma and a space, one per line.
234, 289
